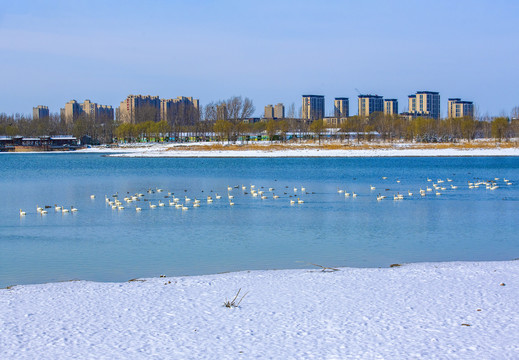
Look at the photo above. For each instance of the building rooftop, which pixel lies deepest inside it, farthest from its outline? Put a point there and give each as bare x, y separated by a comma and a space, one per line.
370, 96
313, 96
428, 92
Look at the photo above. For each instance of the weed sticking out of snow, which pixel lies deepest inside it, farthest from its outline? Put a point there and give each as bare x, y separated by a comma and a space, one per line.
325, 268
233, 303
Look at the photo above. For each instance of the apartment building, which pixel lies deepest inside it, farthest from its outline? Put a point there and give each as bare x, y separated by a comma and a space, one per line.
369, 104
425, 103
279, 111
138, 108
274, 111
390, 106
269, 112
40, 112
183, 109
334, 121
313, 107
74, 109
341, 107
458, 108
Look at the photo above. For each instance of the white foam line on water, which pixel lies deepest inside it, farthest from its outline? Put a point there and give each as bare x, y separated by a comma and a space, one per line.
429, 310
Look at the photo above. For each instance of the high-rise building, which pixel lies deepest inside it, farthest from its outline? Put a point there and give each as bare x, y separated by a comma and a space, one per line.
279, 111
341, 107
89, 108
425, 103
313, 107
274, 112
73, 110
369, 104
105, 112
40, 112
390, 106
183, 109
458, 108
139, 108
269, 112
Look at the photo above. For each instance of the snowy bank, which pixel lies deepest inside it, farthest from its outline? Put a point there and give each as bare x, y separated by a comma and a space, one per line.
198, 150
465, 310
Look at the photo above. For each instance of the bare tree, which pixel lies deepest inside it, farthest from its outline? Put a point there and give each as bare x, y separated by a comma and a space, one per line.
237, 110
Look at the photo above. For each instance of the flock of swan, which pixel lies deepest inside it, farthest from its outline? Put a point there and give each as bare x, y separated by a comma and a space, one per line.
135, 201
436, 187
45, 210
185, 203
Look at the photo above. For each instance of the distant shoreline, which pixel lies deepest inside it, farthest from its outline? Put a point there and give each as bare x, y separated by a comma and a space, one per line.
296, 150
300, 150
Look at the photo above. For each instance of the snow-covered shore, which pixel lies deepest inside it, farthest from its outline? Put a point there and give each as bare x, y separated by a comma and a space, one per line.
462, 310
198, 150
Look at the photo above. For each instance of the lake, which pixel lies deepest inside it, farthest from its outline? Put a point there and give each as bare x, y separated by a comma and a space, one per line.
101, 244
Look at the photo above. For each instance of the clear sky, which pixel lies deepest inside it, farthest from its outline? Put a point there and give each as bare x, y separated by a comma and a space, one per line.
270, 51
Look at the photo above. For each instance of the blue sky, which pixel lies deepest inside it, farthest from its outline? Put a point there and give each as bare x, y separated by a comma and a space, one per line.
271, 51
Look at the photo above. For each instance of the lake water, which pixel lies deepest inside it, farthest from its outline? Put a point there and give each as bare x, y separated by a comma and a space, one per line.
101, 244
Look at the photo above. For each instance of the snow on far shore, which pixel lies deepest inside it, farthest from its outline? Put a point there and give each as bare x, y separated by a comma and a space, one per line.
398, 150
459, 310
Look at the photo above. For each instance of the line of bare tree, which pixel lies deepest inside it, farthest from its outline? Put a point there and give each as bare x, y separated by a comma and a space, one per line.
230, 120
101, 128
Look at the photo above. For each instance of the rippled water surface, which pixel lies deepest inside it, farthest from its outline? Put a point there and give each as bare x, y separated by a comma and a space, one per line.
98, 243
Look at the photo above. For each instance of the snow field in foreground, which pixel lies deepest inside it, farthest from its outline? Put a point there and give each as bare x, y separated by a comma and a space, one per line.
412, 311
